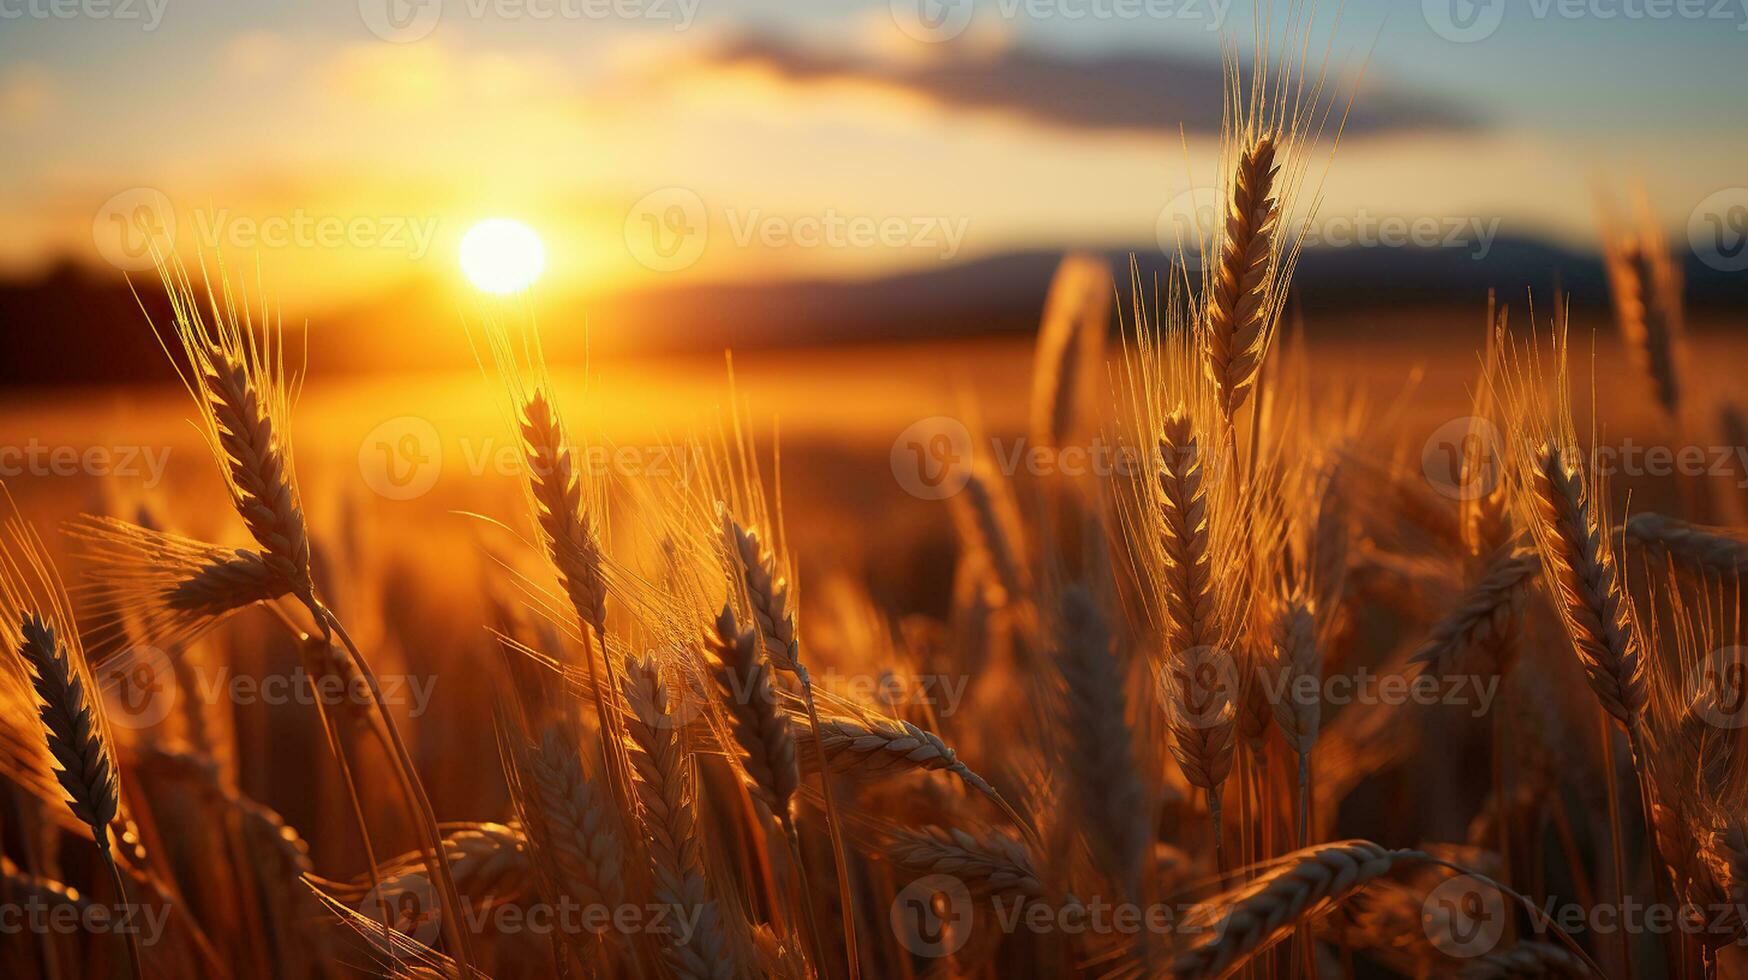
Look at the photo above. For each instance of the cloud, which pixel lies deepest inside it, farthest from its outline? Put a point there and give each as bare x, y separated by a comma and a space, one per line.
1116, 91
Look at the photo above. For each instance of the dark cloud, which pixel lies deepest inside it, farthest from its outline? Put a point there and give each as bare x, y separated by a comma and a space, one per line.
1111, 92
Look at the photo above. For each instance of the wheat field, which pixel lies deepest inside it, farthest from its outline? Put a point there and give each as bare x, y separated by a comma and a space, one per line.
1169, 644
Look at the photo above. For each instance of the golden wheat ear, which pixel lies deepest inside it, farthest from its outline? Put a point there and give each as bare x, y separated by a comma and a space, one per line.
73, 729
1240, 311
235, 370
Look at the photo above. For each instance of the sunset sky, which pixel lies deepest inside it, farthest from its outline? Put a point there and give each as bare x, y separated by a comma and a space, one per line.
841, 142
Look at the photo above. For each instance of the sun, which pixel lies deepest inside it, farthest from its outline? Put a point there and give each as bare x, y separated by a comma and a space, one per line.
500, 255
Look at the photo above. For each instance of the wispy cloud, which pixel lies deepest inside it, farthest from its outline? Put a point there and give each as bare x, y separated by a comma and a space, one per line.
1110, 91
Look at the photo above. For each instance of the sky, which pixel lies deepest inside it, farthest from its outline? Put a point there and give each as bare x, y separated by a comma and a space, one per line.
349, 146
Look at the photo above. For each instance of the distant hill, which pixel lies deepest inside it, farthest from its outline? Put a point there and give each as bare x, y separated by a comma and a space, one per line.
75, 325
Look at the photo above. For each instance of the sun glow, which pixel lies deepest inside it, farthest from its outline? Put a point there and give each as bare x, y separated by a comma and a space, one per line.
500, 255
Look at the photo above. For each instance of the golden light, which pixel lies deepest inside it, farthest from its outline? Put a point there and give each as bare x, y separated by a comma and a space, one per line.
500, 255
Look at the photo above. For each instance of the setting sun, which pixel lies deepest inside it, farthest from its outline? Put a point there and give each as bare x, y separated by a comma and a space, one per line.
502, 256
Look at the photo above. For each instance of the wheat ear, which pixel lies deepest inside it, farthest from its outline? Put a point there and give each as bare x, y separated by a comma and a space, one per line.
1249, 919
586, 848
1587, 589
1183, 536
1237, 330
878, 745
767, 595
1106, 788
1524, 959
992, 862
664, 792
255, 461
1483, 616
557, 493
1717, 549
1647, 327
759, 727
73, 727
1202, 717
1298, 706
